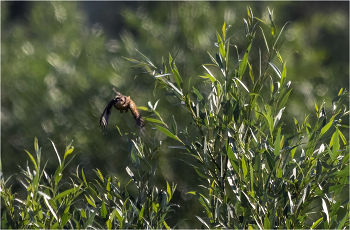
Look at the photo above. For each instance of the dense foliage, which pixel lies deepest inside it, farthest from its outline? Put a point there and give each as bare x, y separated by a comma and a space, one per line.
255, 169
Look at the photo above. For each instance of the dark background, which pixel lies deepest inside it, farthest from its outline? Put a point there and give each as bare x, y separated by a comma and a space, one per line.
60, 61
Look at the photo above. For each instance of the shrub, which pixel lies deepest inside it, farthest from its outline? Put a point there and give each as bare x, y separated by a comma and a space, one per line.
257, 173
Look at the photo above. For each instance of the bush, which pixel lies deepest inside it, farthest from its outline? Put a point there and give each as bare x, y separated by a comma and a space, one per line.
256, 172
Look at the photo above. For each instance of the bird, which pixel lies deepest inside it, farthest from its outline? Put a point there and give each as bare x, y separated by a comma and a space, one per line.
123, 104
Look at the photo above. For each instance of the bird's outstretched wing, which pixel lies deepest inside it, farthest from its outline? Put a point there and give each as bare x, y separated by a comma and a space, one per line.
105, 115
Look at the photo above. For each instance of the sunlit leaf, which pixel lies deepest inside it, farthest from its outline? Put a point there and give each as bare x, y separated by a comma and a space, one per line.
168, 133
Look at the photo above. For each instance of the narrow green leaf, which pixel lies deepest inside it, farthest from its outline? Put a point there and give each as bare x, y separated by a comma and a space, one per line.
267, 224
279, 173
199, 95
50, 208
142, 108
69, 151
83, 175
91, 202
32, 159
243, 63
251, 172
82, 213
251, 74
58, 156
213, 59
109, 224
203, 222
175, 72
153, 120
278, 143
168, 133
224, 30
202, 175
266, 44
141, 214
99, 175
284, 74
91, 219
103, 210
325, 128
244, 166
168, 190
65, 193
245, 87
341, 173
278, 72
340, 91
336, 145
344, 220
316, 223
221, 45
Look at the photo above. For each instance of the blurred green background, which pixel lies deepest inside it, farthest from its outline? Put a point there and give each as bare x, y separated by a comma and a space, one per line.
60, 61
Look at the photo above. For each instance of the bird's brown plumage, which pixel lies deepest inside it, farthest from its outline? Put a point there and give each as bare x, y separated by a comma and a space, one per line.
121, 103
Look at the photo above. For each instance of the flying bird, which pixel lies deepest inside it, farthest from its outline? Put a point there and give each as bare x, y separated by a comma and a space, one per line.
121, 103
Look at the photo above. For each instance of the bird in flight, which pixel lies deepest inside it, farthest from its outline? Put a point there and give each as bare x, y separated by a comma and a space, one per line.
121, 103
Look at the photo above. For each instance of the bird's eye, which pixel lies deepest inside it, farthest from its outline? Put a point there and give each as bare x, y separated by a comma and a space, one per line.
117, 99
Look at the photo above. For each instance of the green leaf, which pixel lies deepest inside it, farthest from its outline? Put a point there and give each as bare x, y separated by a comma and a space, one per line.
91, 219
278, 72
32, 159
266, 44
224, 30
139, 220
245, 87
243, 63
251, 74
103, 210
325, 128
168, 190
200, 97
273, 26
335, 143
251, 172
174, 126
316, 223
203, 222
69, 151
202, 175
244, 166
176, 74
230, 153
284, 74
65, 193
342, 173
91, 202
221, 45
82, 213
99, 175
267, 224
142, 108
153, 120
50, 208
279, 173
109, 224
58, 156
278, 143
83, 175
168, 133
344, 220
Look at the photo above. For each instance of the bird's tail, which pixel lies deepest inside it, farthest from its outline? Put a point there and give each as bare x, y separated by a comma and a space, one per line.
140, 122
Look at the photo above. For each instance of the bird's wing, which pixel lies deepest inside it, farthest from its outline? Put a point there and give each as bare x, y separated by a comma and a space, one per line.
105, 115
